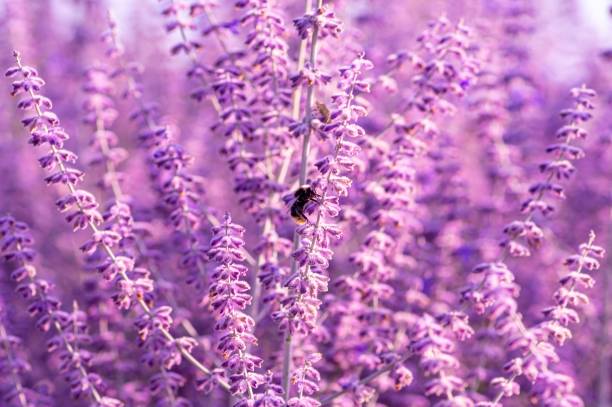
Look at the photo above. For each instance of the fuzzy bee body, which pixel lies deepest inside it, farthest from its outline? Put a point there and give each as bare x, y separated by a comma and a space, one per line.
303, 196
297, 213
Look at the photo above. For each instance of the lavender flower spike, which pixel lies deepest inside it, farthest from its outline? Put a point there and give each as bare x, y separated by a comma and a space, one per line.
228, 299
13, 367
366, 191
16, 248
536, 345
81, 206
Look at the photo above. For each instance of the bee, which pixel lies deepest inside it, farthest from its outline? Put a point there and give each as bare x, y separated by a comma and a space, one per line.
324, 112
303, 196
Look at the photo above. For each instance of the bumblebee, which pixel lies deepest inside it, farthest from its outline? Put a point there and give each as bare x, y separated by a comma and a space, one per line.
303, 196
324, 112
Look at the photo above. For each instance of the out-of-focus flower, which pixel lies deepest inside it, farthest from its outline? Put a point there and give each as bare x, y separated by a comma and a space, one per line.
70, 336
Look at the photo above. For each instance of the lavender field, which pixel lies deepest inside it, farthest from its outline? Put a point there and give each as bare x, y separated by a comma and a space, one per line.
303, 203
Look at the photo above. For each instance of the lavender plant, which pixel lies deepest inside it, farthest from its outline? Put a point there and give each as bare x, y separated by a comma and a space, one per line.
368, 153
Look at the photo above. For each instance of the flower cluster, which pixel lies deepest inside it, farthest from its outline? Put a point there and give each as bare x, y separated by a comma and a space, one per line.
179, 190
395, 191
69, 336
428, 341
299, 311
537, 345
306, 380
14, 368
495, 294
228, 299
131, 283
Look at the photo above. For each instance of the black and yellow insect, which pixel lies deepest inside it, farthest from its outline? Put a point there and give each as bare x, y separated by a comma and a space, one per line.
303, 196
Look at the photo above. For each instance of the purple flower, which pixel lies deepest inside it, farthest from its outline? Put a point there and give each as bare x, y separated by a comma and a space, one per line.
435, 350
306, 379
70, 336
366, 270
537, 345
162, 348
299, 310
228, 299
324, 20
15, 368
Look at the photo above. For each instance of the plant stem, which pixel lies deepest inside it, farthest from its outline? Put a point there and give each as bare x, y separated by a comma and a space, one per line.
21, 395
287, 354
303, 171
295, 98
363, 381
604, 388
309, 100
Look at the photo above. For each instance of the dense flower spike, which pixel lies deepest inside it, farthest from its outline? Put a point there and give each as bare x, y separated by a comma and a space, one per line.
311, 259
228, 299
179, 190
162, 348
395, 191
69, 328
254, 119
495, 294
536, 346
14, 368
299, 312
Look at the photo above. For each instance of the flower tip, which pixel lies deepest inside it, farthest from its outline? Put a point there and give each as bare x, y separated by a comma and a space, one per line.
592, 237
